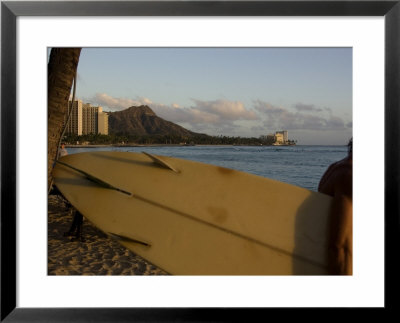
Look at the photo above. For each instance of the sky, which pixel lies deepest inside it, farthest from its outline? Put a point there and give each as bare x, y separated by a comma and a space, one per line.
245, 92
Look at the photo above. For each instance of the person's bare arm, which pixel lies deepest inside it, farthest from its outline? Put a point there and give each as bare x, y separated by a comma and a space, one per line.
341, 234
341, 240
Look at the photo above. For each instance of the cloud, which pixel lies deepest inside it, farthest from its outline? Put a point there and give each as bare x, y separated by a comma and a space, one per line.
179, 114
267, 108
201, 115
225, 116
146, 101
114, 104
216, 116
303, 117
225, 110
307, 107
335, 123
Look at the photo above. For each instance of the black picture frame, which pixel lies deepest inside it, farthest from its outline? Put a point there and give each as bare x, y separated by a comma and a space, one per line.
10, 10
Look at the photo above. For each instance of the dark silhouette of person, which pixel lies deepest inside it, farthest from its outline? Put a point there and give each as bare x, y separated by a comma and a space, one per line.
77, 222
76, 226
338, 183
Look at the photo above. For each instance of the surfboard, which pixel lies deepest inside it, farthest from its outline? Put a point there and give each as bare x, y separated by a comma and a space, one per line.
192, 218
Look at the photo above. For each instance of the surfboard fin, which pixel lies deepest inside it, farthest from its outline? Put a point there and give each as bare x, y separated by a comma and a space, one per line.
121, 237
160, 162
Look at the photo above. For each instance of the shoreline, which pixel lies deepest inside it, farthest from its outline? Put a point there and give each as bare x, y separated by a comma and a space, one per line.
170, 145
122, 146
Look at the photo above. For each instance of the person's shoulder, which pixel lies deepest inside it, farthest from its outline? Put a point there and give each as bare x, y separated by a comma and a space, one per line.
345, 165
344, 178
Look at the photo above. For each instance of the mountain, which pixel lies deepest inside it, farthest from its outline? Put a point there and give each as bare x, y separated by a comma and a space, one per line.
141, 120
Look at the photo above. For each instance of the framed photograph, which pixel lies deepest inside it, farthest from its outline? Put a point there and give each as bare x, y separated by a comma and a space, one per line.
369, 33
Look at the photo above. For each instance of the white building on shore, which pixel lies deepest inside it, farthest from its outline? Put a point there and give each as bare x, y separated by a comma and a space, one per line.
279, 138
283, 136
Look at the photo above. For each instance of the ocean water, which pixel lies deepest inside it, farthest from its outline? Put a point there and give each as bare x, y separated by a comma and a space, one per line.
298, 165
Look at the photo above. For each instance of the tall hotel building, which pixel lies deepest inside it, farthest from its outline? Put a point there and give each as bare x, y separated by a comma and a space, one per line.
74, 125
86, 119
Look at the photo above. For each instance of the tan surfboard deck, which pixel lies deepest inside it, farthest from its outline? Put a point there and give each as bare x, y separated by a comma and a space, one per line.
191, 218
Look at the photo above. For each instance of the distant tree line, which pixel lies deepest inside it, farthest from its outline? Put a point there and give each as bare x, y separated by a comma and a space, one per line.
118, 139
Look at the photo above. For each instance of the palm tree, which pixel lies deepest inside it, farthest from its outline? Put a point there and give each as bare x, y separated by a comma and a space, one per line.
62, 69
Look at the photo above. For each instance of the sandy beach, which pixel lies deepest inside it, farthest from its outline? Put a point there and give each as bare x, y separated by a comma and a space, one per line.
96, 255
